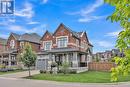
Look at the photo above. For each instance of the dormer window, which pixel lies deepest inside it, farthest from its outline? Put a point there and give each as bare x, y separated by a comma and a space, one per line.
12, 44
62, 42
47, 45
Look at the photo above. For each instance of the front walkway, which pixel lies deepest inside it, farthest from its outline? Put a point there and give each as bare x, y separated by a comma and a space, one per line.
20, 74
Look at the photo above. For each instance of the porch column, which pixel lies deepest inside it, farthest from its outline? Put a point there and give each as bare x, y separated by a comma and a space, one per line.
50, 60
9, 60
75, 60
89, 59
2, 58
67, 57
63, 58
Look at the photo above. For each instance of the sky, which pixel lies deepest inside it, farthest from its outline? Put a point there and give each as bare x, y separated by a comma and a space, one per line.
37, 16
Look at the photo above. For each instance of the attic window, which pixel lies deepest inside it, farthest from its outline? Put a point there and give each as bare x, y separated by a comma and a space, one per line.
62, 31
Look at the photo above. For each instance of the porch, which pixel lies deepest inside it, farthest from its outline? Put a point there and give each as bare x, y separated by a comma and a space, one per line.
8, 59
77, 60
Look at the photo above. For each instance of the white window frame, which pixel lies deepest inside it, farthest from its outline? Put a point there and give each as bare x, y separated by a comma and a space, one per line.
45, 46
62, 37
12, 44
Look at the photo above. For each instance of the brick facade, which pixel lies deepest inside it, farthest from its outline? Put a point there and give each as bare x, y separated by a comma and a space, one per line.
73, 42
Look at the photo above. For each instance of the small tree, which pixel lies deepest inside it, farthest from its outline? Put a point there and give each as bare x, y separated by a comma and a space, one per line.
28, 57
65, 67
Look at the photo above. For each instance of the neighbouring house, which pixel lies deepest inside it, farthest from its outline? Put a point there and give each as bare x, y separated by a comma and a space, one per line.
64, 45
107, 55
97, 57
3, 44
117, 52
15, 44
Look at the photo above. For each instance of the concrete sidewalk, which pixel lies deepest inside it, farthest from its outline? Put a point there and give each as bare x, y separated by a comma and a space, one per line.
20, 74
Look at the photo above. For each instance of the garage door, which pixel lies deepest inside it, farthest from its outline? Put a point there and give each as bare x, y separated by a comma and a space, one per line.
42, 64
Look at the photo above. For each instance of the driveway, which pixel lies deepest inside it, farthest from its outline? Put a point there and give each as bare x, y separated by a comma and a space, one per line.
15, 80
20, 74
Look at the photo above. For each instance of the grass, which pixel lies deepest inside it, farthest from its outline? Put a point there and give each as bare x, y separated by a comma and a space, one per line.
9, 72
86, 77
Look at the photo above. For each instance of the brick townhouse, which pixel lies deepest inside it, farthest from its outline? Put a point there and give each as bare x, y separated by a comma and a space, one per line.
64, 45
15, 44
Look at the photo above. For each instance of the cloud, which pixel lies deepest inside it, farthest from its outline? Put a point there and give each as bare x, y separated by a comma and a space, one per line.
90, 18
105, 44
44, 1
113, 34
17, 28
4, 36
26, 12
86, 13
92, 8
33, 22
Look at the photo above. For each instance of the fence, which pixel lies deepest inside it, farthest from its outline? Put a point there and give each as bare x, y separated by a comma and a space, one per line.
100, 66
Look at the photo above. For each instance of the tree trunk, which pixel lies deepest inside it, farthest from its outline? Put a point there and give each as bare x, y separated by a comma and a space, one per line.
29, 71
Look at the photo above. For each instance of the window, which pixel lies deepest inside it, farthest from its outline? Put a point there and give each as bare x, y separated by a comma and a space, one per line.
22, 45
12, 44
47, 45
62, 42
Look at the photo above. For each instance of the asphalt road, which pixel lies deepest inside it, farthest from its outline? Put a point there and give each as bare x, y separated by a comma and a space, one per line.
17, 82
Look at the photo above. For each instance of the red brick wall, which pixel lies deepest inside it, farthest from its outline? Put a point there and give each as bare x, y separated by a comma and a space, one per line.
46, 37
17, 43
62, 31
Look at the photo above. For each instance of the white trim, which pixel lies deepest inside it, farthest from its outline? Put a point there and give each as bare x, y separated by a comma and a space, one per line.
62, 37
82, 34
46, 42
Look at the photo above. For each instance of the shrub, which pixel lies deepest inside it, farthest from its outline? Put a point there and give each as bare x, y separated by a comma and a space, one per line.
51, 72
2, 66
42, 71
72, 71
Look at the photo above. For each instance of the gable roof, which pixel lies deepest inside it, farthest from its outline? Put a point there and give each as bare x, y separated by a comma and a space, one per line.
75, 34
16, 36
33, 37
46, 33
78, 35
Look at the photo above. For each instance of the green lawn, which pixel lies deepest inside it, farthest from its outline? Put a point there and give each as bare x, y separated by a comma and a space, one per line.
1, 73
86, 77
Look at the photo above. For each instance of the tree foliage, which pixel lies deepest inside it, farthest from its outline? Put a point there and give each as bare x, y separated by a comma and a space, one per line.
121, 15
28, 57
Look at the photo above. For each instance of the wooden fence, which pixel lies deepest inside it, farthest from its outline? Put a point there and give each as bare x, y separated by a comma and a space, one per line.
100, 66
